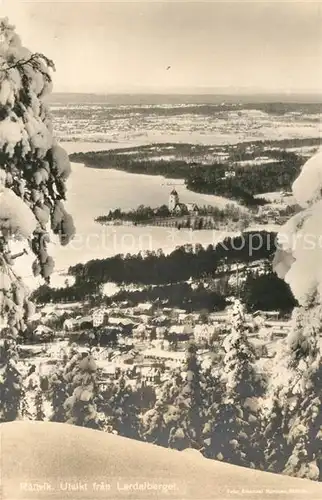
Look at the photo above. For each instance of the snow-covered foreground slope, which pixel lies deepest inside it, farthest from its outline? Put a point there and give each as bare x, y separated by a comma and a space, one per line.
68, 462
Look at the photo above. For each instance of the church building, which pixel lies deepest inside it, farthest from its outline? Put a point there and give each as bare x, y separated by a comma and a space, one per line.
174, 204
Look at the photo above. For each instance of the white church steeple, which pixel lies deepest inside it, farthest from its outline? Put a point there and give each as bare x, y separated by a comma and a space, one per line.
173, 200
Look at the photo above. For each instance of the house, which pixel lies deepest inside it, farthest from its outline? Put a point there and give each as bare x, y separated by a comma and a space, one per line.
160, 344
186, 330
119, 321
144, 307
179, 311
180, 208
219, 317
195, 317
267, 314
282, 325
105, 367
145, 319
159, 355
139, 332
27, 351
98, 317
279, 332
179, 333
204, 333
183, 317
192, 208
165, 345
160, 332
151, 375
70, 324
43, 334
160, 320
85, 322
48, 309
230, 174
49, 318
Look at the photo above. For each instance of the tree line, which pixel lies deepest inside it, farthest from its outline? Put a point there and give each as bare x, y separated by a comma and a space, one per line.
181, 264
164, 278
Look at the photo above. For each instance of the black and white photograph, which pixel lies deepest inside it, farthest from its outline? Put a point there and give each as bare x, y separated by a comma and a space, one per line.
160, 250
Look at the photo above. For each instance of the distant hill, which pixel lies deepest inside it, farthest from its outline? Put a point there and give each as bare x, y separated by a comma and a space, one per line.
205, 97
59, 457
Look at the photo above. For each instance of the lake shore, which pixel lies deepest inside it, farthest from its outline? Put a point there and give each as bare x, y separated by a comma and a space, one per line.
107, 189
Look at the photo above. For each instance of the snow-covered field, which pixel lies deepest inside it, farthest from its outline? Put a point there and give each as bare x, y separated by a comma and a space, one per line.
147, 124
62, 461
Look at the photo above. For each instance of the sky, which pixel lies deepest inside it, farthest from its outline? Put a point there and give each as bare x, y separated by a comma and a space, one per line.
169, 46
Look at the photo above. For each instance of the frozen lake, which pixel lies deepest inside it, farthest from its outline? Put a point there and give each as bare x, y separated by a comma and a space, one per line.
93, 192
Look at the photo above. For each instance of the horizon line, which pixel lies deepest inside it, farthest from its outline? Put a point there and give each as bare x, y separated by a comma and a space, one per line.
193, 92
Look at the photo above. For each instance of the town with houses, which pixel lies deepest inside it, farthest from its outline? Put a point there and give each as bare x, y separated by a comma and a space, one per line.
146, 342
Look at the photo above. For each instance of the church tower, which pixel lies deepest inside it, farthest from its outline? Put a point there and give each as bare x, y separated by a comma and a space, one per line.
173, 200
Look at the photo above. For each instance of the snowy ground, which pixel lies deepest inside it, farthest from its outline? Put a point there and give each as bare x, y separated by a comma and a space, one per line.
59, 458
143, 125
277, 197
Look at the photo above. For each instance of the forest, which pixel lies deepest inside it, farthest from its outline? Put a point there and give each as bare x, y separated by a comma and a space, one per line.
181, 264
248, 180
140, 214
163, 278
209, 177
264, 292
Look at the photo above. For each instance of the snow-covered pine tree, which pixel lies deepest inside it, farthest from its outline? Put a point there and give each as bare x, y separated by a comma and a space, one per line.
154, 426
33, 171
233, 432
293, 385
11, 382
186, 431
157, 422
239, 357
122, 409
214, 393
304, 394
212, 376
297, 371
305, 436
73, 390
33, 404
275, 428
34, 168
57, 389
